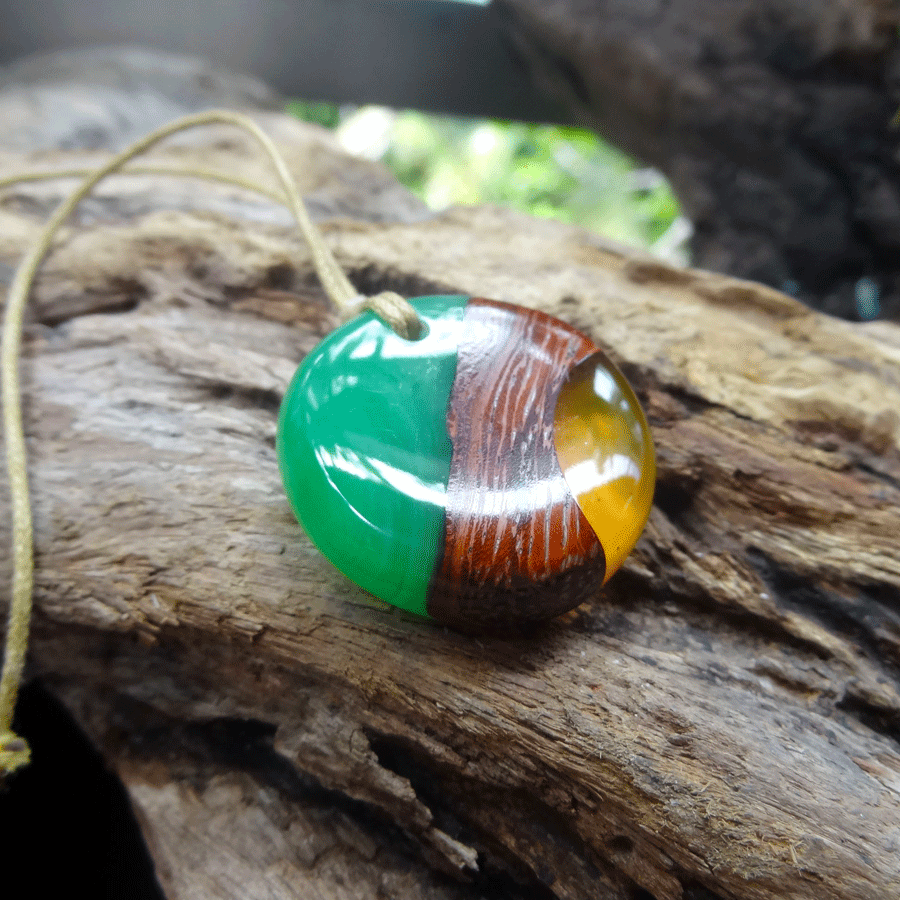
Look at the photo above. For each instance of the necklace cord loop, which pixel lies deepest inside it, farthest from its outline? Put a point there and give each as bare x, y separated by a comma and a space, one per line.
393, 309
398, 313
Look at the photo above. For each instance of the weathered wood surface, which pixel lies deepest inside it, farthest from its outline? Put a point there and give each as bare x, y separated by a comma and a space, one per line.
723, 721
771, 118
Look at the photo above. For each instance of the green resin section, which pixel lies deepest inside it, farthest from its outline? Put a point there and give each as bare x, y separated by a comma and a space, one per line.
364, 451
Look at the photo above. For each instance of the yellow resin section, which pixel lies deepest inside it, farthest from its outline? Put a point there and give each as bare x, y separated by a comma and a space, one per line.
606, 454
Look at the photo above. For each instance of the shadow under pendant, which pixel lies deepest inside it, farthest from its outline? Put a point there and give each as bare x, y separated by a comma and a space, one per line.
495, 472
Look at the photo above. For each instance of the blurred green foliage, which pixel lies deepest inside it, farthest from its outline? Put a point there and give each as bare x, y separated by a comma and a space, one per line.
327, 114
556, 172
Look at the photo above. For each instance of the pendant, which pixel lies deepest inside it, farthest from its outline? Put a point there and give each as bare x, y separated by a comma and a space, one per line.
495, 472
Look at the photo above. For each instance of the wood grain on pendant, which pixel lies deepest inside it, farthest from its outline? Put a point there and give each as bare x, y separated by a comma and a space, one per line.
517, 547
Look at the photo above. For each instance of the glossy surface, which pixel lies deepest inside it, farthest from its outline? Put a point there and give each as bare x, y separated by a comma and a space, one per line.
364, 451
517, 547
606, 453
494, 472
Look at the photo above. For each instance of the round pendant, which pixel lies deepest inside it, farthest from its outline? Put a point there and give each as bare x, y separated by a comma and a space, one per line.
496, 471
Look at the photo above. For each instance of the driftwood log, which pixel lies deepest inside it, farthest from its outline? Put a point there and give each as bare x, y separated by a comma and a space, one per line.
771, 118
722, 722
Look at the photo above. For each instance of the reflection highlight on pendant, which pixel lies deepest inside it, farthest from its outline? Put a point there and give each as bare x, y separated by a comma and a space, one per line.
587, 475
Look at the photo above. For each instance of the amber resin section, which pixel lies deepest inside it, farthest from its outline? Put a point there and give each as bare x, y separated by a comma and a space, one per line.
606, 454
517, 546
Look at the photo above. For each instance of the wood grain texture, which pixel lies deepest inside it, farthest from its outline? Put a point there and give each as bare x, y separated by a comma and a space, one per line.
517, 548
720, 722
719, 97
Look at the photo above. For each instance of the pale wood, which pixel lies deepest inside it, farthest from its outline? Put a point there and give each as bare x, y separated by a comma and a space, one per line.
723, 717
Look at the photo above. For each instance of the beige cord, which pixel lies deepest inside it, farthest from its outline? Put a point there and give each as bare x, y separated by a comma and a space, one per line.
392, 308
204, 174
389, 306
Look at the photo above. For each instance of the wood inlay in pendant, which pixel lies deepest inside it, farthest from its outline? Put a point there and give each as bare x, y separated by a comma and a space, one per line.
517, 547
